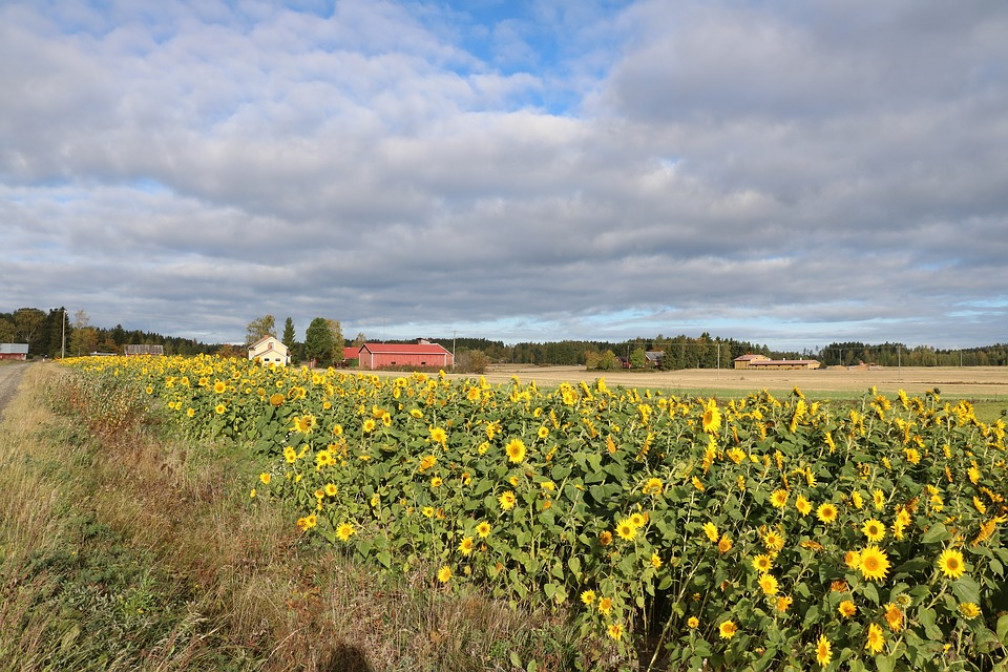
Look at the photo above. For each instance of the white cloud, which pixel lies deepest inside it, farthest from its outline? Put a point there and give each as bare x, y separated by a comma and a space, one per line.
790, 168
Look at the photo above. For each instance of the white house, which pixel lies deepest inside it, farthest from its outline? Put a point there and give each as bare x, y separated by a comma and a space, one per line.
269, 350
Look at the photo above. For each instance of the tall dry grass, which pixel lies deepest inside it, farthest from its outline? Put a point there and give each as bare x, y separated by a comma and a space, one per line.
123, 549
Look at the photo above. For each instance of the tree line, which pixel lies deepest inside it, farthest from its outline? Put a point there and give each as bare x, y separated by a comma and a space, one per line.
53, 332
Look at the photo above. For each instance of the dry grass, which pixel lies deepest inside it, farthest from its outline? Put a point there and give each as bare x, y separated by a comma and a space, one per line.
120, 549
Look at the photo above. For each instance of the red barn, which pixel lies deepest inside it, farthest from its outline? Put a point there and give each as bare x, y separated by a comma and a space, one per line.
13, 351
421, 355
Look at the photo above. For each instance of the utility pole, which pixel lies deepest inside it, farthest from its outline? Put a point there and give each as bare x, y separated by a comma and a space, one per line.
63, 325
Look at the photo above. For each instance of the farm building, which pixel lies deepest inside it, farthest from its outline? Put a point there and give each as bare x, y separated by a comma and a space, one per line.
269, 350
13, 351
765, 363
349, 354
137, 350
423, 354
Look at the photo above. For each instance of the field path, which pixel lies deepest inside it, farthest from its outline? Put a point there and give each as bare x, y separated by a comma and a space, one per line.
10, 376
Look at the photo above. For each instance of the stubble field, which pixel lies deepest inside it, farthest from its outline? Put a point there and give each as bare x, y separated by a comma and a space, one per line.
976, 382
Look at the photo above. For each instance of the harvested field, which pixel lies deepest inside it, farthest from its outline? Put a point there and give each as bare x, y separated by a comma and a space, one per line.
982, 382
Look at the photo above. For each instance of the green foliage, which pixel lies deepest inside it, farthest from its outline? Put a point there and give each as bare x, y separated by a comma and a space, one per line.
259, 327
736, 534
319, 343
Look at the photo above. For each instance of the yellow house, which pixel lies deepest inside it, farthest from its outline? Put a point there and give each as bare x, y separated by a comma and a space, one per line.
269, 350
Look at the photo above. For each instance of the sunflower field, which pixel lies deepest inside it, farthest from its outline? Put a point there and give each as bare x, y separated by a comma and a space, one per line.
760, 533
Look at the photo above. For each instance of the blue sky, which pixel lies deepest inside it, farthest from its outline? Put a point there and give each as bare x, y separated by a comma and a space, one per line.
779, 172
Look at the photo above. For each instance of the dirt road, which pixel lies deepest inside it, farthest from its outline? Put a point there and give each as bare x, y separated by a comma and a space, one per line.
10, 376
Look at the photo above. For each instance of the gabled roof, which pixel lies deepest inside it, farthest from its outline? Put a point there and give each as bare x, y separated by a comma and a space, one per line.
13, 348
350, 352
263, 340
405, 349
749, 357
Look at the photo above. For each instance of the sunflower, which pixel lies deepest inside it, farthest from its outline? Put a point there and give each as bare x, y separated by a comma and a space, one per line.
727, 629
265, 477
803, 505
857, 499
426, 462
724, 544
466, 546
693, 622
969, 610
951, 563
824, 651
369, 426
852, 559
605, 537
507, 500
711, 418
710, 529
773, 541
762, 563
653, 486
894, 617
878, 498
605, 606
219, 387
847, 609
638, 519
784, 603
876, 640
543, 432
444, 574
827, 512
779, 498
277, 399
331, 489
344, 531
874, 563
483, 530
874, 530
615, 631
768, 584
220, 408
588, 597
515, 450
438, 435
626, 529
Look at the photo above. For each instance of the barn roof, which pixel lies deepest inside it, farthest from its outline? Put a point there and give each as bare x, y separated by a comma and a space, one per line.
405, 348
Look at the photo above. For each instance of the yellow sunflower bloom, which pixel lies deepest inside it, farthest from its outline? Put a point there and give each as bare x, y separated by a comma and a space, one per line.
727, 629
515, 450
951, 563
824, 651
874, 530
874, 563
876, 640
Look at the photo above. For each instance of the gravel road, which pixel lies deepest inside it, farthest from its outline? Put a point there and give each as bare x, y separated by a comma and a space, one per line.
10, 376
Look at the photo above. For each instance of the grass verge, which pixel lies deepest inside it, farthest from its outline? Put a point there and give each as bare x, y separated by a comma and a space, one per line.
122, 549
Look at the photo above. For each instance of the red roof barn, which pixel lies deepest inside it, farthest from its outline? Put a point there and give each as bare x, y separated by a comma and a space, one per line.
423, 354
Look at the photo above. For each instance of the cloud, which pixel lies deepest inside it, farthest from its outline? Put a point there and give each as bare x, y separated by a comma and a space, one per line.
538, 170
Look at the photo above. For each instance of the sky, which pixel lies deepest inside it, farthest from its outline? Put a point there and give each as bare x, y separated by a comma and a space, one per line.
785, 172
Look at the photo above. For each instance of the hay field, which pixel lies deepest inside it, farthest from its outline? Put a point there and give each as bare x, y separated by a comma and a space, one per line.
972, 382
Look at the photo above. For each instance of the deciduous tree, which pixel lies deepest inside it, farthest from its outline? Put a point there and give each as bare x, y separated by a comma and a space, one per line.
319, 344
259, 327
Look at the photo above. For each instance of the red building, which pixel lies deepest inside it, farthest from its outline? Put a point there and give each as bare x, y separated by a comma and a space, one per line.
421, 355
13, 351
